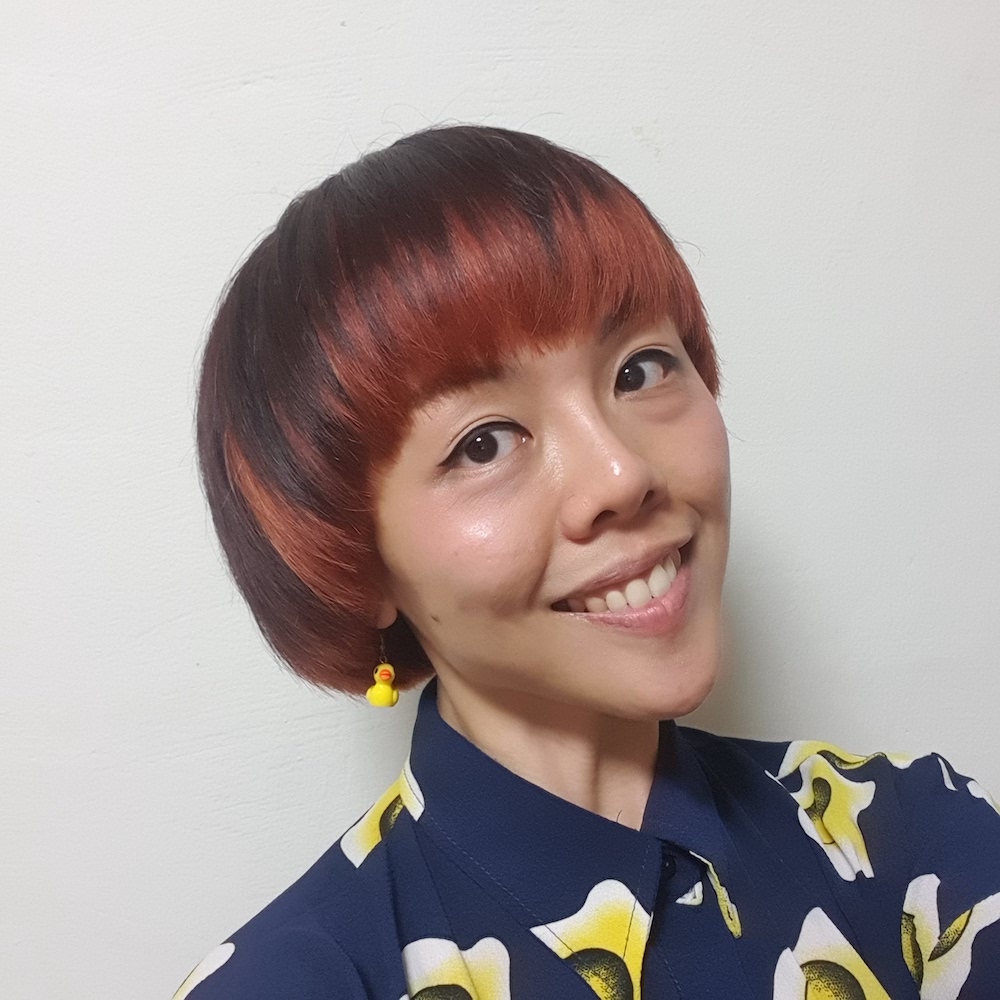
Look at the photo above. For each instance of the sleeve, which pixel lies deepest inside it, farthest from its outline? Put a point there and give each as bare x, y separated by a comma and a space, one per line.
951, 910
289, 964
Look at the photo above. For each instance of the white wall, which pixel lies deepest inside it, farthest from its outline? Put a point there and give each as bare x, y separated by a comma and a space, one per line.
832, 172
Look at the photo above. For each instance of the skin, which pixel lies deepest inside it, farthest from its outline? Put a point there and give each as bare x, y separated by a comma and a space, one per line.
476, 553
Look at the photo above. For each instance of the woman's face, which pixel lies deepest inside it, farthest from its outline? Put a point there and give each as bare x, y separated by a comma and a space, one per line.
514, 505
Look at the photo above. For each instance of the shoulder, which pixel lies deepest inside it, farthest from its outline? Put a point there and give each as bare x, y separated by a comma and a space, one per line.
918, 785
313, 935
293, 947
917, 811
909, 830
285, 963
939, 807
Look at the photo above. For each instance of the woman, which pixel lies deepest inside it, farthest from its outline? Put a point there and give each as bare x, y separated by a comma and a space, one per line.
458, 422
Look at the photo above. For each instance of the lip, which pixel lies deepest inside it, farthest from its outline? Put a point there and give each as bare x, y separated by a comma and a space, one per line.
627, 569
661, 616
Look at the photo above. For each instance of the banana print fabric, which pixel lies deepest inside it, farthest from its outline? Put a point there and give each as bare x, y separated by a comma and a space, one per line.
785, 871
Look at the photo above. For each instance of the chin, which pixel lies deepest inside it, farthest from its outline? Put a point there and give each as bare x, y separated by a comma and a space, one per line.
694, 699
677, 697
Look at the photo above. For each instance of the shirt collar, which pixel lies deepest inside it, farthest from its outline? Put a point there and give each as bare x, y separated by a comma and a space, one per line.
542, 854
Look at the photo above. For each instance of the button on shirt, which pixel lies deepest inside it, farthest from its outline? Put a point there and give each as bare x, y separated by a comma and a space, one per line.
761, 869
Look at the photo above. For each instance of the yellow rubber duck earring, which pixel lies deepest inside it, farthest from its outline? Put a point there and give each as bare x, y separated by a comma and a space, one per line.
382, 694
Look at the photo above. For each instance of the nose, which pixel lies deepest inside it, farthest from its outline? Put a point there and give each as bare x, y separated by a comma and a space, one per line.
606, 478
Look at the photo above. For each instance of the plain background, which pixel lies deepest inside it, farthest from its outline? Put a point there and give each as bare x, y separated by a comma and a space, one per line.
830, 172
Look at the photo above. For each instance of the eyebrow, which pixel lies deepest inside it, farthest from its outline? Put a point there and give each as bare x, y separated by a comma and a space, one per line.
614, 325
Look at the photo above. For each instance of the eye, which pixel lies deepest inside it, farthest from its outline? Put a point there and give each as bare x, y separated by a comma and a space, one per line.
485, 444
644, 369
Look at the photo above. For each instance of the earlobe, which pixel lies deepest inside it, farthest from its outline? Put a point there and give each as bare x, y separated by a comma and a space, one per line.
386, 615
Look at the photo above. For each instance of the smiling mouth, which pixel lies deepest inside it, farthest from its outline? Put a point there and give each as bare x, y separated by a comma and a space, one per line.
630, 595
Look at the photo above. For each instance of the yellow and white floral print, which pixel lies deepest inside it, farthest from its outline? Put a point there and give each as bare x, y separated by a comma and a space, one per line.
726, 906
437, 969
979, 792
971, 785
829, 807
824, 966
404, 793
799, 751
604, 941
694, 896
212, 962
946, 775
940, 961
830, 801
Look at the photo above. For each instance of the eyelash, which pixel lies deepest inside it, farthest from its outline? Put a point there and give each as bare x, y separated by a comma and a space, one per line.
670, 364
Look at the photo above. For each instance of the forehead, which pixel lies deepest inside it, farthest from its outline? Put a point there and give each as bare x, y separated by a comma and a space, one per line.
460, 399
484, 382
491, 366
442, 320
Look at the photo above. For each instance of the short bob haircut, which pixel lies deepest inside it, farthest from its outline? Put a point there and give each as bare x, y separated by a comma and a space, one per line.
411, 271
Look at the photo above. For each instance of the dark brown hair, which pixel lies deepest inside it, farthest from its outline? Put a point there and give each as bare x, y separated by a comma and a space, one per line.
411, 271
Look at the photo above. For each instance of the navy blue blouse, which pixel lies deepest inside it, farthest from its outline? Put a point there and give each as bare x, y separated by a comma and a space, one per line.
777, 870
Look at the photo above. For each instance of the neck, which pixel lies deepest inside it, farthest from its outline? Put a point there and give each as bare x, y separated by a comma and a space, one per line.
597, 761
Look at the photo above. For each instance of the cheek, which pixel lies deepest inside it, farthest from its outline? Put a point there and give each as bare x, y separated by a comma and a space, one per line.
718, 450
707, 457
456, 557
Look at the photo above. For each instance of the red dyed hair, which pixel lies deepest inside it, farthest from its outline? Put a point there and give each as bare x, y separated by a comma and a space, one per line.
409, 272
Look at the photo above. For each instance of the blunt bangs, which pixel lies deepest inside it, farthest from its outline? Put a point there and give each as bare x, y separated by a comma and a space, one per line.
413, 271
486, 248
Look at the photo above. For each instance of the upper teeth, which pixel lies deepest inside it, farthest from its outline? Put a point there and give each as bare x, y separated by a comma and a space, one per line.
635, 593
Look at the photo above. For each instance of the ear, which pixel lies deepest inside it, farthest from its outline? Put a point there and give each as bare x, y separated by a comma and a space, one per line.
386, 614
